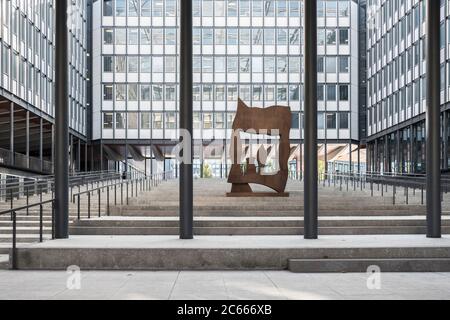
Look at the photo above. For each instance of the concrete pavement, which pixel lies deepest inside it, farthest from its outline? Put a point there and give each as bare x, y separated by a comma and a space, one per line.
220, 285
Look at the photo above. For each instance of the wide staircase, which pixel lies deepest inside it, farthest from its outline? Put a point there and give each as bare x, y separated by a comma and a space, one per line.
28, 221
343, 210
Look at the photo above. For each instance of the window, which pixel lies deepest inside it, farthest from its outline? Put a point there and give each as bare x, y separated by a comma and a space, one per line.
145, 92
219, 122
321, 37
121, 64
146, 8
171, 93
331, 37
157, 36
132, 92
108, 65
343, 9
320, 92
157, 64
132, 120
295, 121
196, 120
121, 93
320, 121
107, 92
207, 38
157, 92
121, 10
207, 121
145, 120
171, 36
133, 8
343, 120
331, 120
232, 37
244, 8
331, 64
230, 119
120, 121
343, 36
133, 64
171, 8
343, 92
220, 92
232, 8
343, 64
108, 36
133, 36
108, 121
146, 36
121, 36
157, 9
269, 36
157, 120
171, 120
171, 64
146, 64
331, 92
107, 8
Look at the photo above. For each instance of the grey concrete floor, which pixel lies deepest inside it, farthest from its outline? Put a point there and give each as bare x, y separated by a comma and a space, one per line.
266, 285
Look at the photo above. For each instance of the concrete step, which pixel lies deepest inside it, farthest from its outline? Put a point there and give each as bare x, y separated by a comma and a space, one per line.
362, 265
249, 230
236, 253
23, 238
4, 261
24, 230
264, 212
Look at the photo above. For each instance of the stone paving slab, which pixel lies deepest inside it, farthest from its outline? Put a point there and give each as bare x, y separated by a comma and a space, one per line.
266, 285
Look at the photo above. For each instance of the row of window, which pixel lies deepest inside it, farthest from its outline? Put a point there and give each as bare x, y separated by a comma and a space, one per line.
222, 64
222, 8
208, 120
209, 92
222, 36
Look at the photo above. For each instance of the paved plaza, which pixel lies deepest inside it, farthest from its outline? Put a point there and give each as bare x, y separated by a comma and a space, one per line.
220, 285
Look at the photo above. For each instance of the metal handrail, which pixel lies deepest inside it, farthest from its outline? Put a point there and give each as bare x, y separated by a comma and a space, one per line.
144, 183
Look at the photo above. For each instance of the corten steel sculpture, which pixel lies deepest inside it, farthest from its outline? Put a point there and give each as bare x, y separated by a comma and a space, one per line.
271, 121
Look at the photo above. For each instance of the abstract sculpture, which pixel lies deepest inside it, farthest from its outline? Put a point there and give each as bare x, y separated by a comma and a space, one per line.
271, 121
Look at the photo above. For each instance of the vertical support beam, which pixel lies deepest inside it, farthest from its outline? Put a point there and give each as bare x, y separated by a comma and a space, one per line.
79, 155
186, 180
41, 143
433, 161
101, 155
61, 123
27, 138
71, 161
445, 140
11, 133
310, 183
86, 157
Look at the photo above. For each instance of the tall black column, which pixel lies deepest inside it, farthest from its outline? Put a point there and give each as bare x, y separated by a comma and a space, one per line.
310, 161
186, 183
61, 161
433, 120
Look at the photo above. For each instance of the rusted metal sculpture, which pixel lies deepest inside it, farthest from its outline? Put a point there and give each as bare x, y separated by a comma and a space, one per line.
271, 121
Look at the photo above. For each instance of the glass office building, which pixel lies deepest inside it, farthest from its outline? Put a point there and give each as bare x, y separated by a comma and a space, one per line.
245, 49
27, 46
397, 86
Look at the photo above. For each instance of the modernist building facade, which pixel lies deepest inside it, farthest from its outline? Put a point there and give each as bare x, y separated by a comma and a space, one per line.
27, 46
396, 85
251, 50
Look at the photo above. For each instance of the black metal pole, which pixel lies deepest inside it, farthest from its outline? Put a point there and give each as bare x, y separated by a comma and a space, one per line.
310, 161
61, 123
186, 183
433, 120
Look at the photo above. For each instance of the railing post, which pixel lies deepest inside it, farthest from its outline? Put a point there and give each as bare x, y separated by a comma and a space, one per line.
40, 223
99, 204
14, 249
78, 207
89, 204
107, 201
28, 198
